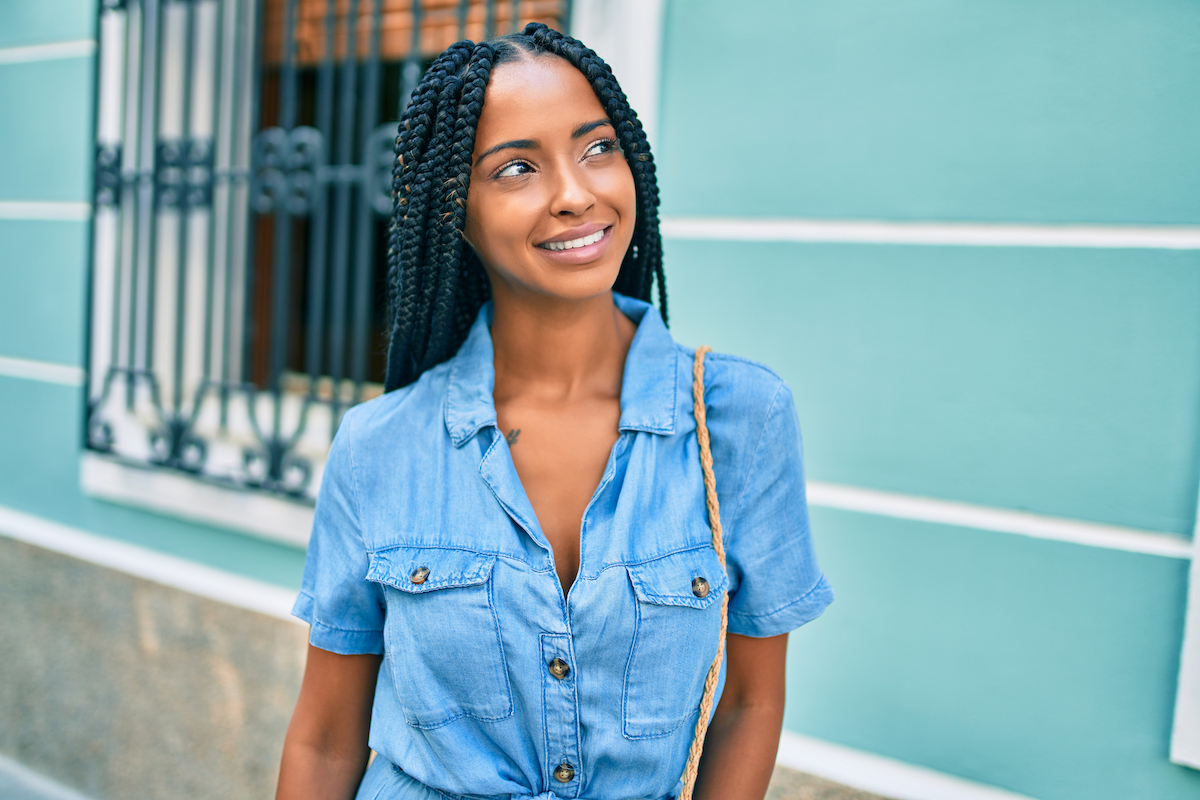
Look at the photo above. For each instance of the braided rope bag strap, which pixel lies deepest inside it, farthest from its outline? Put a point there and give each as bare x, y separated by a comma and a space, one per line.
692, 767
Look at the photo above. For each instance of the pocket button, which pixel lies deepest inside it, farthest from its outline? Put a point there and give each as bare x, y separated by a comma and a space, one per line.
700, 587
559, 668
421, 574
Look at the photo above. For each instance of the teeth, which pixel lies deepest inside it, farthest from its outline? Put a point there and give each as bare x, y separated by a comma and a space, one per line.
583, 241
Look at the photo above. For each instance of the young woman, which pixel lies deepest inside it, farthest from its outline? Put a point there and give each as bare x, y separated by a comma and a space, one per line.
512, 584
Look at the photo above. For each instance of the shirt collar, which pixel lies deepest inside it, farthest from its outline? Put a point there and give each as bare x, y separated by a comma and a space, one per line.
648, 387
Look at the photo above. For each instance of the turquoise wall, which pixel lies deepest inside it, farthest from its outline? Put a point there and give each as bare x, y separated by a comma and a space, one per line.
1061, 381
46, 136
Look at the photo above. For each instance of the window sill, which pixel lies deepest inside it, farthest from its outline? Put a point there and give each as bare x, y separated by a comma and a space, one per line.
275, 518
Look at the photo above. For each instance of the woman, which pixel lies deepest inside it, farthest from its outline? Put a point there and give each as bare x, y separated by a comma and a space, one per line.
512, 585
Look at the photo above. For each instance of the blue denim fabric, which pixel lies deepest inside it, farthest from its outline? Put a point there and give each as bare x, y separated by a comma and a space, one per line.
465, 704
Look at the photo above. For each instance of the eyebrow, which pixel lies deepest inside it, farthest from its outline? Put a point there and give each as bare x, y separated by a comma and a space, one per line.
516, 144
530, 144
588, 127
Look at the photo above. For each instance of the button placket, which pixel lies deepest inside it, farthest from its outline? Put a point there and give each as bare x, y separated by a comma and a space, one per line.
560, 715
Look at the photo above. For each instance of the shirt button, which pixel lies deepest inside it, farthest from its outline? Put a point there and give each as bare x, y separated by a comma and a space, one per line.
419, 575
699, 587
559, 668
564, 772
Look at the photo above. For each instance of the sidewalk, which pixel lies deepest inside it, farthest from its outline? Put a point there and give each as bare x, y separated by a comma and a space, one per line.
20, 783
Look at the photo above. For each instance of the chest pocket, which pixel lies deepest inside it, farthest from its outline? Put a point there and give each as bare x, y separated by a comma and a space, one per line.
442, 635
678, 626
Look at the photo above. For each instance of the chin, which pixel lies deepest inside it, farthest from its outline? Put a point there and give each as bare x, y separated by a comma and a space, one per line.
583, 285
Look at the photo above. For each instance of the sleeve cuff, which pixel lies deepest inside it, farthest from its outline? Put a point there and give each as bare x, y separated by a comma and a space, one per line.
786, 619
336, 640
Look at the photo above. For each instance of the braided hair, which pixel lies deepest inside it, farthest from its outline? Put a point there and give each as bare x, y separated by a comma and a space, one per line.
436, 284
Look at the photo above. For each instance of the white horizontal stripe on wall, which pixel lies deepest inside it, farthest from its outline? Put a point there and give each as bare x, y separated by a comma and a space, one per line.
43, 371
41, 210
1001, 520
178, 573
885, 776
52, 51
969, 234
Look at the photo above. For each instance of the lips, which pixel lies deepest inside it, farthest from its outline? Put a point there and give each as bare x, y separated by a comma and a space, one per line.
581, 236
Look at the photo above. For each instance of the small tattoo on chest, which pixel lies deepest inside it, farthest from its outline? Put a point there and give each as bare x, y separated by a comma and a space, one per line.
511, 438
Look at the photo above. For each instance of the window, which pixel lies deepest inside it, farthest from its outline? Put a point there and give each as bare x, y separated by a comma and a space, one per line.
242, 173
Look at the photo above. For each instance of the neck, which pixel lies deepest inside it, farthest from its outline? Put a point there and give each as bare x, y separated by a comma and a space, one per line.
560, 351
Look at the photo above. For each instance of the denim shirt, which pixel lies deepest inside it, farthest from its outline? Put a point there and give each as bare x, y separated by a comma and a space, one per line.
425, 549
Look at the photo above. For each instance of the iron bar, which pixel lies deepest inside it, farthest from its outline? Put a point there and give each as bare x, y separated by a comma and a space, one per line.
183, 205
364, 246
249, 270
514, 19
246, 34
410, 74
342, 203
463, 7
318, 257
281, 265
489, 19
142, 340
222, 114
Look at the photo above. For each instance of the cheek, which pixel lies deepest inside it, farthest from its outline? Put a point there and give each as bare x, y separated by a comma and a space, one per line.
619, 191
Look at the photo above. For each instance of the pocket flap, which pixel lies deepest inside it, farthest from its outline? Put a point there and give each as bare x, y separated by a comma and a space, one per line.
426, 569
669, 580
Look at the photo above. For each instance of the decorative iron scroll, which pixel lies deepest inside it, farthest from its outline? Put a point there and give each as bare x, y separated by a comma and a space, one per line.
184, 172
286, 166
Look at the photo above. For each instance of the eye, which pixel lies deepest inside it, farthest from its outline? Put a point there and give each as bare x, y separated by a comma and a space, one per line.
513, 169
601, 147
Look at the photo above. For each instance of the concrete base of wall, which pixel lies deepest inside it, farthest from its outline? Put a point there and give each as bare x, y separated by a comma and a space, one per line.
120, 687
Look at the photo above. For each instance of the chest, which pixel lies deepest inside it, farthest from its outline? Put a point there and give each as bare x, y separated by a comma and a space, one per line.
560, 452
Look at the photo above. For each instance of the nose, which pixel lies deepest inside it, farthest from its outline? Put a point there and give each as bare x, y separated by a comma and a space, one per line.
572, 194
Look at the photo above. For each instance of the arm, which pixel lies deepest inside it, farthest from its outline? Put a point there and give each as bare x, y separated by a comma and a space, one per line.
325, 751
743, 738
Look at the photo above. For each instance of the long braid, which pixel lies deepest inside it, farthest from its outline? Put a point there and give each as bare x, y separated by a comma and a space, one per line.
436, 283
411, 209
454, 206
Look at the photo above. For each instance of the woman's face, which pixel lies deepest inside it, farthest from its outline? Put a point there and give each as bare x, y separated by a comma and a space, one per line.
552, 205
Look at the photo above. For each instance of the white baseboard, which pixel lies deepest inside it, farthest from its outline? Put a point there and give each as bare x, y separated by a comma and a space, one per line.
178, 573
885, 776
18, 778
179, 495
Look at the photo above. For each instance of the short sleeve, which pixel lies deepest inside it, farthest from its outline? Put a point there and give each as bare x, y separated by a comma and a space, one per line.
343, 608
776, 583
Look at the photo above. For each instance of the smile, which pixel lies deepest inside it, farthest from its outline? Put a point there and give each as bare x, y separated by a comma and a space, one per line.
582, 241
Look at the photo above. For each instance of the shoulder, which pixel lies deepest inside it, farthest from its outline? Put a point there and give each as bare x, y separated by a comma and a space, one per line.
401, 411
735, 388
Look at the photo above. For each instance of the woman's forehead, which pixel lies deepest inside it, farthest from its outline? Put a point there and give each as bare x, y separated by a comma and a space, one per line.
545, 94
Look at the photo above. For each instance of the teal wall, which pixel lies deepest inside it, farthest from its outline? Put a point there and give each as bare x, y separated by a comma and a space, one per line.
46, 136
1061, 381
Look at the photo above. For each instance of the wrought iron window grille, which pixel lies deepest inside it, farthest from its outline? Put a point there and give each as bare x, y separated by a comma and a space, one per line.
241, 186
